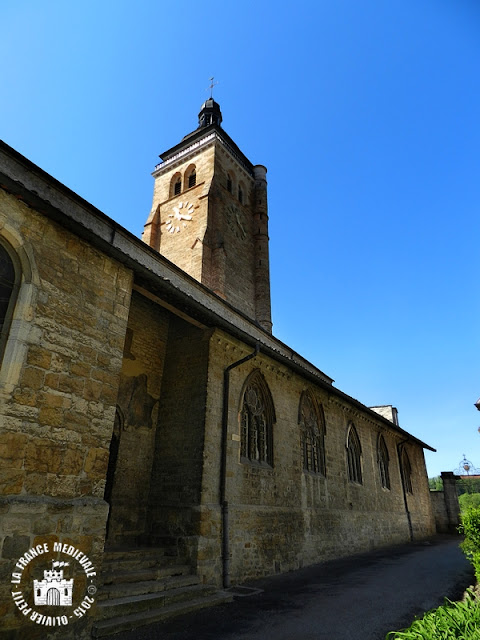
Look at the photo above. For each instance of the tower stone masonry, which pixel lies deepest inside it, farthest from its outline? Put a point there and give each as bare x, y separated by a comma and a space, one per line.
210, 216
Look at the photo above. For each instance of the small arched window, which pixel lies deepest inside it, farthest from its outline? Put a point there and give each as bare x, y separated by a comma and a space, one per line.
312, 425
176, 185
191, 177
229, 183
354, 455
9, 283
242, 198
383, 462
406, 471
257, 416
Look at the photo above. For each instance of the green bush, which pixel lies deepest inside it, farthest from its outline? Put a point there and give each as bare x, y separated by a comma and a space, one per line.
454, 620
468, 500
470, 528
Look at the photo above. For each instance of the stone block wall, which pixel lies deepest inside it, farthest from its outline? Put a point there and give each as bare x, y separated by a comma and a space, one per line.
59, 383
185, 248
442, 523
138, 405
231, 233
445, 504
177, 470
282, 517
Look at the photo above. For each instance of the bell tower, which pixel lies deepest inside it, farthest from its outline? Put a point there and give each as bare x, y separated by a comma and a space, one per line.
209, 216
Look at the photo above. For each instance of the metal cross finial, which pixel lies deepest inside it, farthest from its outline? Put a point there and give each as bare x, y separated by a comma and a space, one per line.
212, 84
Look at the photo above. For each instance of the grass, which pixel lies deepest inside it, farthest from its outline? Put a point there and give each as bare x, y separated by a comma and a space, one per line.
454, 620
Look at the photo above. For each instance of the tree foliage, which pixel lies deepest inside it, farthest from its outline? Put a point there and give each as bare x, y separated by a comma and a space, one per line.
468, 485
436, 483
467, 500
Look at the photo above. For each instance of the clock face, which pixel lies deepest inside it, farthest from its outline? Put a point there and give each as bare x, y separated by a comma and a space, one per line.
181, 216
236, 221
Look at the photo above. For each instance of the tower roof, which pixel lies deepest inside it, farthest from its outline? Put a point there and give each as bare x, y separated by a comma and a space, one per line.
209, 113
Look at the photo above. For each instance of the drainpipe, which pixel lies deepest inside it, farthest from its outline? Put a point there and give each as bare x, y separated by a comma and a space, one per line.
223, 466
404, 491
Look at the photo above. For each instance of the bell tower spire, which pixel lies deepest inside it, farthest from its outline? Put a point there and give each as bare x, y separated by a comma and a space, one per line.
209, 215
209, 114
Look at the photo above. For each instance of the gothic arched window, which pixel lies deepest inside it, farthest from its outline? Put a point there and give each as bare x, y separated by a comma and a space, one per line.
229, 183
383, 462
257, 417
406, 471
9, 282
354, 455
312, 424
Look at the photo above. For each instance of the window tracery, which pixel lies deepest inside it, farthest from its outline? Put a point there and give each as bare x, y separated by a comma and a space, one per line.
383, 462
312, 424
256, 421
406, 471
354, 456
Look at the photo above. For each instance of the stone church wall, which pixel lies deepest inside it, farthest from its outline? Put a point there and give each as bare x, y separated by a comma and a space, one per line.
178, 465
59, 384
138, 399
282, 517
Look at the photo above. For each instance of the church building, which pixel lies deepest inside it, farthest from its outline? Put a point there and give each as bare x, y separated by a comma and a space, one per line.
148, 415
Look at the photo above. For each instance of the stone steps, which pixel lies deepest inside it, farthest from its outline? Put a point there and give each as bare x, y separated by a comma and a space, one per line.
142, 575
143, 586
135, 603
118, 590
135, 620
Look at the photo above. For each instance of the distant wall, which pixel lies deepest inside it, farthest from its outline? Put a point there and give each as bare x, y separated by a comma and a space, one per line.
445, 504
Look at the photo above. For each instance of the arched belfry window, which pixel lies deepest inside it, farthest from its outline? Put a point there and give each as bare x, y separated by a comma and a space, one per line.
312, 425
9, 283
191, 177
241, 193
383, 462
406, 471
257, 416
354, 455
176, 185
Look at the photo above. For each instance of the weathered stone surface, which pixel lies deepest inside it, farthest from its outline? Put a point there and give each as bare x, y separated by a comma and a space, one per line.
15, 546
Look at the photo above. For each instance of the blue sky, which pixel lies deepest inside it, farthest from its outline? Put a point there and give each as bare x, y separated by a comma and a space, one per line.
366, 115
